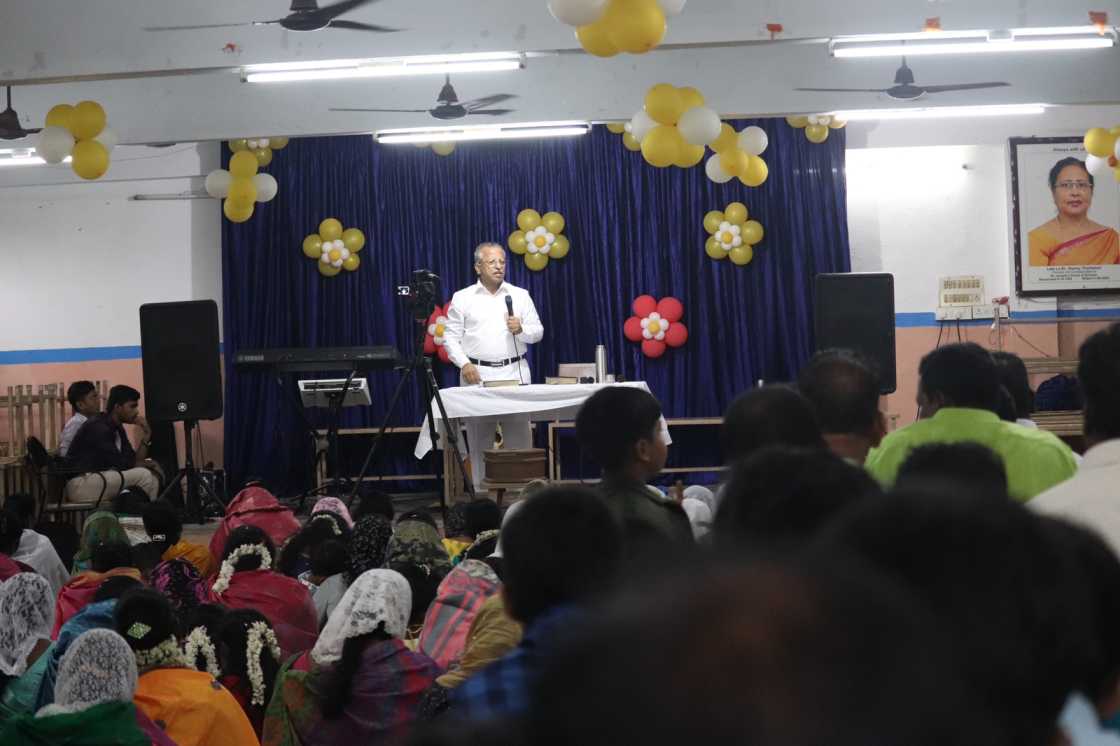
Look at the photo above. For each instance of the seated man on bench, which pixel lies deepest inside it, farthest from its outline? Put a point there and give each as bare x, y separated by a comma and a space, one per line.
102, 451
86, 401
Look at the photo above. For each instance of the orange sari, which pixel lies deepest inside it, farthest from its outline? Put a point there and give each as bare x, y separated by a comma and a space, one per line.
1099, 247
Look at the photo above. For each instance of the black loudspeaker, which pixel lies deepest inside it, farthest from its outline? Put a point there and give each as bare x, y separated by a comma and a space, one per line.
182, 368
856, 312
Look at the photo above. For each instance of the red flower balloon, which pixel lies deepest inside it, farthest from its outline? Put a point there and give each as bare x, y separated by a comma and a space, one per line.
656, 324
433, 340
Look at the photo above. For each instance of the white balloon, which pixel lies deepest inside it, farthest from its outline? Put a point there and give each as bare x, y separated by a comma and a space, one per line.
252, 144
641, 124
671, 7
699, 125
217, 183
814, 119
824, 119
577, 12
715, 172
108, 138
345, 253
324, 258
339, 244
753, 140
627, 127
1096, 165
266, 187
55, 143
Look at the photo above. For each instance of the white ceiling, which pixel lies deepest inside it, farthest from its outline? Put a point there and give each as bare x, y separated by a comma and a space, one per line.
41, 39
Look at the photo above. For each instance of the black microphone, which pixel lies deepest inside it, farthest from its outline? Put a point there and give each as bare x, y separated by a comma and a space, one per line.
509, 305
509, 310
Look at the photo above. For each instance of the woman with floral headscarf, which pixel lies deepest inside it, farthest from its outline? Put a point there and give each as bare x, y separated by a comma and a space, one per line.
26, 619
359, 683
102, 527
250, 660
336, 506
180, 582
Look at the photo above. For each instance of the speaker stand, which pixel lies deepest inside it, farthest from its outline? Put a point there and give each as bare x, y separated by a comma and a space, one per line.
197, 489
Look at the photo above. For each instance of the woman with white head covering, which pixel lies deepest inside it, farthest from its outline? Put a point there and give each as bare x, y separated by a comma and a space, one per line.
360, 682
26, 620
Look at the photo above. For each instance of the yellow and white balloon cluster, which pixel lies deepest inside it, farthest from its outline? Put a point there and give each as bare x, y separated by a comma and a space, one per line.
672, 128
606, 27
439, 148
739, 154
260, 147
732, 234
816, 126
538, 238
241, 186
1103, 146
78, 132
335, 249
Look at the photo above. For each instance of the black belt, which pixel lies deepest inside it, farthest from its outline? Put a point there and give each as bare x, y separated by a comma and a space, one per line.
496, 363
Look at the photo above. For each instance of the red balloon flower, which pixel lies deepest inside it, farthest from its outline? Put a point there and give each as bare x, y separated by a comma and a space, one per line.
434, 342
656, 324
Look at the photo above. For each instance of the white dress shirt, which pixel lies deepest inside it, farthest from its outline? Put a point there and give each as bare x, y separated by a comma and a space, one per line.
1092, 496
69, 430
476, 324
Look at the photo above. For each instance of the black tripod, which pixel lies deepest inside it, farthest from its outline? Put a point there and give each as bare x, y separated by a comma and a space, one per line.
196, 486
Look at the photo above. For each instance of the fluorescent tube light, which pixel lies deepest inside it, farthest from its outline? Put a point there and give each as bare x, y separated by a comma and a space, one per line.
23, 157
383, 67
517, 131
940, 112
973, 42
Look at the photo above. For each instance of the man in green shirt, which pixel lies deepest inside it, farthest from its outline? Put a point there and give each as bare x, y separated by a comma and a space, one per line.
957, 395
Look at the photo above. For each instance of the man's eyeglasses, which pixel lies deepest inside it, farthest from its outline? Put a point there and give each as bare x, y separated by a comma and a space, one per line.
1069, 185
494, 263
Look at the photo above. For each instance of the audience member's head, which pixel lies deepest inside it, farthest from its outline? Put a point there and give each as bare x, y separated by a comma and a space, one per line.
244, 536
999, 585
844, 392
620, 429
964, 465
1005, 405
1099, 372
27, 608
563, 547
23, 505
419, 514
774, 415
179, 581
957, 375
1013, 376
781, 497
110, 555
247, 643
765, 654
371, 502
146, 556
321, 527
113, 588
145, 620
11, 529
162, 522
455, 521
124, 403
98, 667
483, 514
329, 558
84, 398
369, 544
424, 585
198, 630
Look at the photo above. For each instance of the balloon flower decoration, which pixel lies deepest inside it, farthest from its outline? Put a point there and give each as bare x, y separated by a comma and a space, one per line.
606, 27
79, 133
739, 154
434, 342
538, 238
732, 235
439, 148
656, 324
260, 147
1103, 146
816, 126
672, 127
334, 248
241, 186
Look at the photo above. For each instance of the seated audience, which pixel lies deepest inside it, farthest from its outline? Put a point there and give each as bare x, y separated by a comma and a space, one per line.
359, 684
457, 602
198, 632
369, 543
621, 429
110, 560
1091, 496
85, 400
181, 584
483, 514
768, 416
560, 551
295, 556
1013, 376
964, 465
336, 506
100, 527
371, 502
27, 611
957, 396
246, 581
250, 659
328, 559
164, 527
255, 506
844, 391
35, 550
101, 449
11, 533
416, 541
456, 538
191, 706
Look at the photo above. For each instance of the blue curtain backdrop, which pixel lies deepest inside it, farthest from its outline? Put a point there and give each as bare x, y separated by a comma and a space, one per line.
634, 229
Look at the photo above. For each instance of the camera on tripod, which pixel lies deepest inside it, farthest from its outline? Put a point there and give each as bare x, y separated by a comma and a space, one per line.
421, 294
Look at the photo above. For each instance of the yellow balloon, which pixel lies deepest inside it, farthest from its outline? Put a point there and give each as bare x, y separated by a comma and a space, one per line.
713, 249
595, 39
536, 262
87, 121
1116, 173
1099, 142
60, 116
277, 143
354, 239
752, 232
553, 222
816, 133
728, 138
560, 247
837, 124
1115, 132
242, 191
91, 159
237, 213
243, 164
712, 220
528, 219
350, 263
330, 229
734, 161
800, 122
263, 156
443, 148
517, 243
736, 212
335, 254
664, 104
690, 97
689, 155
236, 146
616, 127
327, 270
634, 26
662, 145
757, 172
741, 255
313, 246
631, 142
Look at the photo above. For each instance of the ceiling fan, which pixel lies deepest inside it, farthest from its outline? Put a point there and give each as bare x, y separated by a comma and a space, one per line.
305, 15
10, 128
448, 105
904, 88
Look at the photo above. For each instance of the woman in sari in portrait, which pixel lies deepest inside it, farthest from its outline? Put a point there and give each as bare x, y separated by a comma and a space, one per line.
1071, 238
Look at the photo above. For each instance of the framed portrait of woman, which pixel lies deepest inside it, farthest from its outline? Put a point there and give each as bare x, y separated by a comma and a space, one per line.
1064, 219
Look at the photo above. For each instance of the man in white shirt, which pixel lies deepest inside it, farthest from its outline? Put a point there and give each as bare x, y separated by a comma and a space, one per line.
488, 343
86, 401
1092, 496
